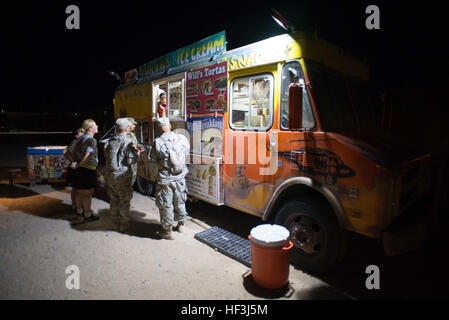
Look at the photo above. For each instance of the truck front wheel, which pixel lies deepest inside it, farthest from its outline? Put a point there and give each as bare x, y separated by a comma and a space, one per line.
319, 243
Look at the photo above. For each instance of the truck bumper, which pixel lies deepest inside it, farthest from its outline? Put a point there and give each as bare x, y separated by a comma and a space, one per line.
410, 231
407, 239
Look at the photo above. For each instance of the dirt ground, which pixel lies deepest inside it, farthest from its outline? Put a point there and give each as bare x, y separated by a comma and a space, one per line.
39, 239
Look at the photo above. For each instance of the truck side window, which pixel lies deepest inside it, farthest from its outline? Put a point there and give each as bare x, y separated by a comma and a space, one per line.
291, 73
332, 99
142, 132
252, 102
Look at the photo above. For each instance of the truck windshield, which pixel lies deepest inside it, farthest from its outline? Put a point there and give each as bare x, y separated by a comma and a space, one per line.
344, 102
367, 105
332, 99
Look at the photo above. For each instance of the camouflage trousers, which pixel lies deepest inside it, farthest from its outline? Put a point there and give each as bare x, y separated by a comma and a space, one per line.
134, 169
120, 193
171, 202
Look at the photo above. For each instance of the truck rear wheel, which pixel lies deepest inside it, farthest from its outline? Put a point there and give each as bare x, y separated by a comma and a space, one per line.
144, 186
319, 242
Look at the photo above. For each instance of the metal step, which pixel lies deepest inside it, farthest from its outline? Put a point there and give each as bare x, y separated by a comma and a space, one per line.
230, 244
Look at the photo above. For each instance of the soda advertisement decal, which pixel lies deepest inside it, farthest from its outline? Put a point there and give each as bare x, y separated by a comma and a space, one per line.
210, 140
206, 89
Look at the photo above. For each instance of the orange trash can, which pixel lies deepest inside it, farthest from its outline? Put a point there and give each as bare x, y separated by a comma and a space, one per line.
270, 249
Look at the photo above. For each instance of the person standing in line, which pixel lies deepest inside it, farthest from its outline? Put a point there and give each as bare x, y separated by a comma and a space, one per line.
86, 169
119, 158
137, 146
169, 152
68, 153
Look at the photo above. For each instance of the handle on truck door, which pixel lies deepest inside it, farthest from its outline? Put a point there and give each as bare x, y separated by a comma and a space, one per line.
271, 144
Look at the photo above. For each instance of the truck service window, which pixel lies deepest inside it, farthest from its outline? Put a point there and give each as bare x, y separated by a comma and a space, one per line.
252, 102
174, 90
175, 101
291, 73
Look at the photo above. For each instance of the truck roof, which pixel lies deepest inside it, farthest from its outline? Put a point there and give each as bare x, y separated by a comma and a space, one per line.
296, 46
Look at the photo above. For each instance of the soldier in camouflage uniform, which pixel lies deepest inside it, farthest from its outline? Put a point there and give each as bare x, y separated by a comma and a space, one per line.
171, 190
139, 147
120, 156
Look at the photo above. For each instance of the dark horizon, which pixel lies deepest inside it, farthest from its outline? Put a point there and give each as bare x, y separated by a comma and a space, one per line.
48, 68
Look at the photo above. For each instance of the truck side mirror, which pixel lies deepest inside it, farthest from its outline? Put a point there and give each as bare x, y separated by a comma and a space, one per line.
295, 93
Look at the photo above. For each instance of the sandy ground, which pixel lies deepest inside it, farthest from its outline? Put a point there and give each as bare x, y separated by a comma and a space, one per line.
39, 239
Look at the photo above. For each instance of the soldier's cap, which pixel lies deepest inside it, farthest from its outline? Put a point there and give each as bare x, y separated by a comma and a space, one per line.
132, 120
163, 121
122, 123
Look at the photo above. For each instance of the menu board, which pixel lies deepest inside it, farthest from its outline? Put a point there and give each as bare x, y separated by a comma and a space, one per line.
207, 89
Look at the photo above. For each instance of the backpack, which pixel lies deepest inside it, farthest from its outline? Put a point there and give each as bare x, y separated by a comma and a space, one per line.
78, 153
67, 154
177, 154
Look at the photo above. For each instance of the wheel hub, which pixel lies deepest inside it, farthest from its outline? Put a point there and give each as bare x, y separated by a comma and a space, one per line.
306, 234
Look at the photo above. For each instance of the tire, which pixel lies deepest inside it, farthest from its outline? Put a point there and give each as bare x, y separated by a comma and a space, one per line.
319, 243
144, 186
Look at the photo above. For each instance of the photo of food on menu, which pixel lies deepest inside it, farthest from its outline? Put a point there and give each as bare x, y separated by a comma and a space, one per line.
207, 89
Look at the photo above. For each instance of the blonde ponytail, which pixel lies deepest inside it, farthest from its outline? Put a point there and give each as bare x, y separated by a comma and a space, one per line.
87, 124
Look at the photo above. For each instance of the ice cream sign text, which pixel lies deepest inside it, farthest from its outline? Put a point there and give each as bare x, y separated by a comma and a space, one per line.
205, 48
208, 47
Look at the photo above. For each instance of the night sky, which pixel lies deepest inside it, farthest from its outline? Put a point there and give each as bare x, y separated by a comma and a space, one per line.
47, 68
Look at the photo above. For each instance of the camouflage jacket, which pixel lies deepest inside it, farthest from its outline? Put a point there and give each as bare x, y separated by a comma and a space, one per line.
119, 156
161, 156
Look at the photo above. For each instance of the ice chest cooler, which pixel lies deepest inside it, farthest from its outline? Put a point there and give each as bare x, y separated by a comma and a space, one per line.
270, 249
46, 163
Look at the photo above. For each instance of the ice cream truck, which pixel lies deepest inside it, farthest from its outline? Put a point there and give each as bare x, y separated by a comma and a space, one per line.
286, 129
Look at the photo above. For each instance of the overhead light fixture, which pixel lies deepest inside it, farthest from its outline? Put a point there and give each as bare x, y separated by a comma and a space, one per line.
114, 75
280, 20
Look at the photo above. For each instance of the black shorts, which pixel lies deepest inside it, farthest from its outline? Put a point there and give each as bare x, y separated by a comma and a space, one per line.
70, 175
84, 178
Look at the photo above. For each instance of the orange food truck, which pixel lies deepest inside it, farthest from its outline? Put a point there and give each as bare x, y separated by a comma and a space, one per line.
282, 129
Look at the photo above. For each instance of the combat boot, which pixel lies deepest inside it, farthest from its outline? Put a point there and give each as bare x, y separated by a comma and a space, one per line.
89, 217
167, 234
180, 227
123, 226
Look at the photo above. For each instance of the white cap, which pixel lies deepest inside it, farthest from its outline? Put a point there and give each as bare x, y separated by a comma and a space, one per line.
269, 235
163, 121
122, 123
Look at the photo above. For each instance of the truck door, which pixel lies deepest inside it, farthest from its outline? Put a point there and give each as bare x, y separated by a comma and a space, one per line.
249, 139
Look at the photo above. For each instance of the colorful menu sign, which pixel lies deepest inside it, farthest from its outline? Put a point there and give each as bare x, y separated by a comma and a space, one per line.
205, 183
208, 47
206, 89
